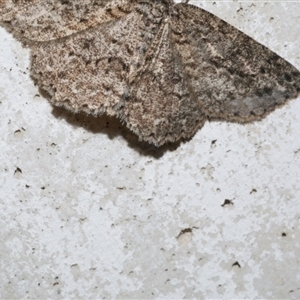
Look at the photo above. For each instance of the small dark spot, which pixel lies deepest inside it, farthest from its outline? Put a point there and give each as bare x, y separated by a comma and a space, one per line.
259, 93
267, 90
42, 187
83, 20
87, 62
236, 264
287, 77
262, 70
213, 142
124, 67
253, 191
17, 171
129, 50
87, 44
227, 202
185, 235
283, 234
184, 231
106, 87
61, 74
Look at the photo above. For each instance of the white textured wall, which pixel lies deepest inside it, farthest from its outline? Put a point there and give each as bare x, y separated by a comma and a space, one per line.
87, 211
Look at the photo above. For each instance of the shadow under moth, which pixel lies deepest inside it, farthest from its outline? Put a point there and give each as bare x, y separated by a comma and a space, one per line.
162, 68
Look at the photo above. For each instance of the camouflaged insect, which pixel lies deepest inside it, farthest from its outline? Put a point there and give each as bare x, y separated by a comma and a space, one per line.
162, 68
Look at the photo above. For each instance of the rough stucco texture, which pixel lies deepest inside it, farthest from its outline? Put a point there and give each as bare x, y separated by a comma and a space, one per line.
89, 212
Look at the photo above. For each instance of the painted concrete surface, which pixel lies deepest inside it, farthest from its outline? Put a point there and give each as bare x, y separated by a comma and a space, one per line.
86, 211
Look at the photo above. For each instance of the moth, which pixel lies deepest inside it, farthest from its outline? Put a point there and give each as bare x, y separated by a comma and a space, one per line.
163, 68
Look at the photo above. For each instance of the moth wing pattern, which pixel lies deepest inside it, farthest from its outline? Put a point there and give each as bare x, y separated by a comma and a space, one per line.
233, 77
89, 71
201, 68
162, 106
162, 68
46, 20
